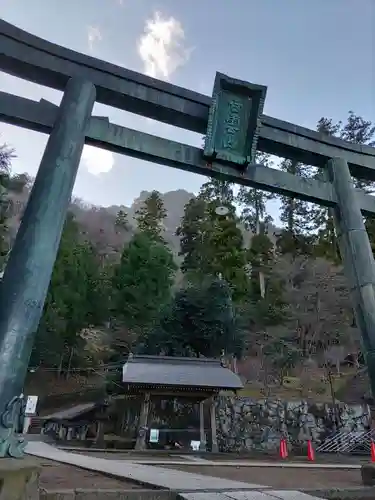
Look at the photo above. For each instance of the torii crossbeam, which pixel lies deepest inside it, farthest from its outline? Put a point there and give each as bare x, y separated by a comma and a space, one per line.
235, 128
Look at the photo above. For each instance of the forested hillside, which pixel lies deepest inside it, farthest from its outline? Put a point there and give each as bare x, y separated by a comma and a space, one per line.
174, 275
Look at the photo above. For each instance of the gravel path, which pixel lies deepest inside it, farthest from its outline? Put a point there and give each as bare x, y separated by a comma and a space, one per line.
56, 476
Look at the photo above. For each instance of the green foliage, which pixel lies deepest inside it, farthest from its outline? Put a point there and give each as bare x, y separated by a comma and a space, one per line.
194, 234
211, 244
253, 202
358, 131
76, 299
229, 257
295, 214
283, 354
122, 221
142, 282
219, 190
295, 244
233, 293
260, 257
309, 229
8, 184
150, 216
265, 311
260, 312
200, 321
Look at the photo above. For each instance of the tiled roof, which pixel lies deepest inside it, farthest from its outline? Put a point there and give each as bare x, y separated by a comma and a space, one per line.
197, 373
72, 412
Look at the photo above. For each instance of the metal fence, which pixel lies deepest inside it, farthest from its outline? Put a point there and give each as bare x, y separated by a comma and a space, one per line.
348, 442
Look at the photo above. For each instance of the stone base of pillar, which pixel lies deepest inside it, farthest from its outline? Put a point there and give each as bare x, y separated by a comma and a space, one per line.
19, 479
368, 474
202, 446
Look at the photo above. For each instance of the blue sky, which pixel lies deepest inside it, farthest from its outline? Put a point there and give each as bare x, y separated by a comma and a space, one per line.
317, 57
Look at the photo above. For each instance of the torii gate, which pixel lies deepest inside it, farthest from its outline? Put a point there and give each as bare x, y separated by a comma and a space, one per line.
235, 128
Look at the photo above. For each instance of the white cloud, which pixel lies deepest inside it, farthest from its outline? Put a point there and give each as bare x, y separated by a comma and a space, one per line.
161, 47
93, 35
97, 161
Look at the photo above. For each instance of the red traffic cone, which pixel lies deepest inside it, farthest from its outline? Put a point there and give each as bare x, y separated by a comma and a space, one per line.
283, 449
310, 452
372, 451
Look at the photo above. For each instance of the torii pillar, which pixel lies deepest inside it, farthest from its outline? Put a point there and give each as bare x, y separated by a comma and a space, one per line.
357, 257
27, 275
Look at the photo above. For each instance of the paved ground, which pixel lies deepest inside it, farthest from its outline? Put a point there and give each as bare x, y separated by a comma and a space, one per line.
57, 476
110, 455
208, 482
254, 463
228, 459
151, 475
280, 477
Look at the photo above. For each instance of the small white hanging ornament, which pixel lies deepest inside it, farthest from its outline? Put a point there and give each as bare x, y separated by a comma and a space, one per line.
221, 210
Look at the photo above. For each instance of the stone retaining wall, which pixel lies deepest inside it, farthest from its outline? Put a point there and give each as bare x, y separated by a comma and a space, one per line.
244, 424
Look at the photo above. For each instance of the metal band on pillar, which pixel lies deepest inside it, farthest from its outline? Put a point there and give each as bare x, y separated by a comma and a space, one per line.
28, 272
357, 257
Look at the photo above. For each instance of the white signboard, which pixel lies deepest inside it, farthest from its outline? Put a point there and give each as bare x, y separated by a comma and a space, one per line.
154, 435
195, 445
31, 403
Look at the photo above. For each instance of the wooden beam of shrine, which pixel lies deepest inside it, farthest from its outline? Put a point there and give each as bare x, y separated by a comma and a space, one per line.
37, 60
40, 116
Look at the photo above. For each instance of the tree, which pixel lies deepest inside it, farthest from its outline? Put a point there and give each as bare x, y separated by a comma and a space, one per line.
194, 233
264, 315
150, 216
320, 311
295, 238
282, 354
212, 244
293, 212
8, 184
261, 259
76, 299
356, 130
200, 321
122, 221
142, 282
253, 202
217, 189
6, 155
254, 214
228, 255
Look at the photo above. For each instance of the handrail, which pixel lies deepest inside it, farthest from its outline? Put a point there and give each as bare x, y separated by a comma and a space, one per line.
345, 442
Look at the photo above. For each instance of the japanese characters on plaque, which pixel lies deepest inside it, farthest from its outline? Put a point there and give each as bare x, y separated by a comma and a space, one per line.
232, 125
233, 121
